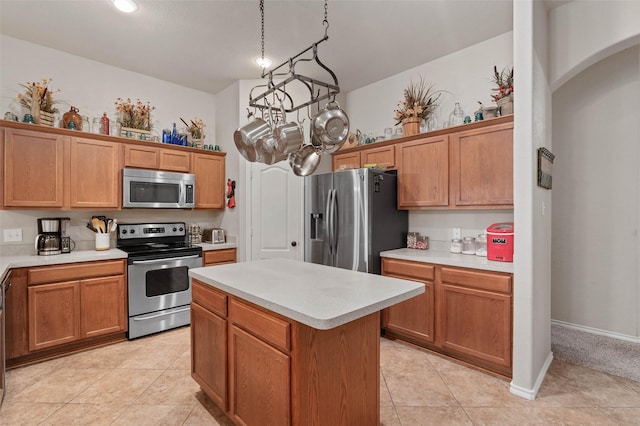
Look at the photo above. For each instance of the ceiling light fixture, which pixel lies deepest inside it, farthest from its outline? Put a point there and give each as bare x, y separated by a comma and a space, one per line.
264, 62
126, 6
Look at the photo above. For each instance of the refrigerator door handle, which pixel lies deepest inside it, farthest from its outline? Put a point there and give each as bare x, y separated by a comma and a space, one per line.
334, 224
327, 228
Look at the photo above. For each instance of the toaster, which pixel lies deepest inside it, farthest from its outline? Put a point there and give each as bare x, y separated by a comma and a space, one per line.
213, 235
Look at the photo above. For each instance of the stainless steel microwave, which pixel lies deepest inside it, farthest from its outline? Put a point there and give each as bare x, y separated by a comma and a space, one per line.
153, 189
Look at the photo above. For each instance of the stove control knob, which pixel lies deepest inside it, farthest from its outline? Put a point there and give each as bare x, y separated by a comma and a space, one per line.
174, 229
181, 229
133, 231
124, 231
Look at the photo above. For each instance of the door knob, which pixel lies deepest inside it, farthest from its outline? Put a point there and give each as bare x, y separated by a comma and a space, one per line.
294, 243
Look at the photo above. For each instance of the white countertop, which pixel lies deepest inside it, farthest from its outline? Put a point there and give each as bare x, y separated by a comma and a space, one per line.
8, 262
28, 260
449, 259
319, 296
219, 246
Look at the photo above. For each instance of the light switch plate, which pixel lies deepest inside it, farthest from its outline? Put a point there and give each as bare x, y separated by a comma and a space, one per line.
12, 235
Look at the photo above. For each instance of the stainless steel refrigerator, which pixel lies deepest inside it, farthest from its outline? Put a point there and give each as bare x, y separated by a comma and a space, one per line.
350, 217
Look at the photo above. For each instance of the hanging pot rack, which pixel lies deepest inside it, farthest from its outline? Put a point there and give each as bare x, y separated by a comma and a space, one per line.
318, 90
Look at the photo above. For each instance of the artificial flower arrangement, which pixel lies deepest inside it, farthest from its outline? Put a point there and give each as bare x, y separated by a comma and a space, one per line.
504, 83
39, 92
134, 115
419, 102
196, 128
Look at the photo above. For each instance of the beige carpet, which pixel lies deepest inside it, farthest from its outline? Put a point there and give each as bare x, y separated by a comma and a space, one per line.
614, 356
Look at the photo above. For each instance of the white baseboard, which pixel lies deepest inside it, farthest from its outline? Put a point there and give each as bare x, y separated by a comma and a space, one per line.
531, 393
598, 331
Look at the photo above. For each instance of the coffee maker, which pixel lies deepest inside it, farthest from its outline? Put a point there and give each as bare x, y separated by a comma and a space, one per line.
53, 237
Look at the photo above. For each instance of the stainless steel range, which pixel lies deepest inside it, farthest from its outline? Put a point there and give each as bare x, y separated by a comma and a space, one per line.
159, 289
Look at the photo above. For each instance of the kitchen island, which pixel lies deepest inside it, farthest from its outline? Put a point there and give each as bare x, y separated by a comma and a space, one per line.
287, 342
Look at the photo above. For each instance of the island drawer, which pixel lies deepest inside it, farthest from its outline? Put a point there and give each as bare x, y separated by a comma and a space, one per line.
209, 298
489, 281
274, 330
75, 271
418, 271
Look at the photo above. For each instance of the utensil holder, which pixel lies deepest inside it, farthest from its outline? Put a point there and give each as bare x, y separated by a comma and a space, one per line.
102, 241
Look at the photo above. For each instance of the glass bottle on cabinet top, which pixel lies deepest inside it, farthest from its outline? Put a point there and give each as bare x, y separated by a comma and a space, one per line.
456, 118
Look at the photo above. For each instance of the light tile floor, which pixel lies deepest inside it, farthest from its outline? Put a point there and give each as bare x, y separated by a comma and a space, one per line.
147, 382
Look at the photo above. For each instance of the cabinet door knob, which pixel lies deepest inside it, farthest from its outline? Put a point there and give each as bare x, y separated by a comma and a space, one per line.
294, 243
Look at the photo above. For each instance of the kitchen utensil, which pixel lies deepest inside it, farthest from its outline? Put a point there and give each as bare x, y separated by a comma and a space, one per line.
304, 161
330, 126
97, 224
290, 136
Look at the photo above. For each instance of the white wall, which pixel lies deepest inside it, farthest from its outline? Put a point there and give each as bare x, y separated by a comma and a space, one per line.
466, 77
596, 213
584, 32
93, 88
463, 76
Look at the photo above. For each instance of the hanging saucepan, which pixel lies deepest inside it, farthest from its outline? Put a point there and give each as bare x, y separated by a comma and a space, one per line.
304, 161
330, 127
246, 137
274, 158
289, 135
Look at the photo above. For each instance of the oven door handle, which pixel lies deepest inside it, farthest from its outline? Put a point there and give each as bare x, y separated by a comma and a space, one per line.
140, 262
161, 314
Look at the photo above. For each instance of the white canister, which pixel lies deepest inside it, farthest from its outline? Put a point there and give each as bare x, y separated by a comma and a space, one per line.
102, 241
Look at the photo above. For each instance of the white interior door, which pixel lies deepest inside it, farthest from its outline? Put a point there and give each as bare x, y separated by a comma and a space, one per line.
276, 212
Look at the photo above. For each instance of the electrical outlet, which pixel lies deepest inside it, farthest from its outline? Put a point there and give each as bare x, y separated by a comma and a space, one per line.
457, 234
12, 235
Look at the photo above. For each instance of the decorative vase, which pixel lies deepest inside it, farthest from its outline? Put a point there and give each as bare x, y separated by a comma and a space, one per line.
46, 118
129, 132
411, 126
505, 105
72, 116
35, 111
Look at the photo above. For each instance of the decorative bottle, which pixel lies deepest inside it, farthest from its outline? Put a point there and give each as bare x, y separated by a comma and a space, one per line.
174, 135
457, 116
105, 124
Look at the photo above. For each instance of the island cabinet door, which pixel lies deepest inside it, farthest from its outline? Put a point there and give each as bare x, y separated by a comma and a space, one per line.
413, 318
209, 353
260, 381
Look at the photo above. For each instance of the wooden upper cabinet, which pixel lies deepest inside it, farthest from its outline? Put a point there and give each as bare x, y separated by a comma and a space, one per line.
423, 172
210, 185
155, 158
347, 160
33, 169
482, 167
383, 156
95, 180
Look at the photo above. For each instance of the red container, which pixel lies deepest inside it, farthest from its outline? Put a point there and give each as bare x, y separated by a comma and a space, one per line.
500, 242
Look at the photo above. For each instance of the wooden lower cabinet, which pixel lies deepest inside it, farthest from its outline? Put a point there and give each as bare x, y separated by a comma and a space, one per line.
59, 308
54, 314
266, 369
102, 306
218, 257
468, 313
414, 318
